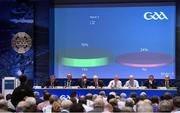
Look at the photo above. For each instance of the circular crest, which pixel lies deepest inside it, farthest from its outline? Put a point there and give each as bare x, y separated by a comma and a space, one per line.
21, 42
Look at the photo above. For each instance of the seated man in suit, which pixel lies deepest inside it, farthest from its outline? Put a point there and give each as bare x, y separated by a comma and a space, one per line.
96, 82
116, 83
167, 82
52, 82
131, 83
151, 82
69, 82
83, 82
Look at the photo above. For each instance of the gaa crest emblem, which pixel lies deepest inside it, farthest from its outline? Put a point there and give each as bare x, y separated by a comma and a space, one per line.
21, 42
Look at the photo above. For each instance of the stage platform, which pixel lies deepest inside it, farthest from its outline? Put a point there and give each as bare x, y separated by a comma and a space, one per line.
68, 91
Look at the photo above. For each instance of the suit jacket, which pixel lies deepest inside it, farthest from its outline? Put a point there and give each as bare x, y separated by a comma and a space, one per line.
83, 84
164, 85
72, 83
20, 92
100, 83
149, 85
48, 83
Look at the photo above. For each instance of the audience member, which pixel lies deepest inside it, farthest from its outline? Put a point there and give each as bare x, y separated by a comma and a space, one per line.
165, 106
65, 105
176, 103
22, 91
45, 103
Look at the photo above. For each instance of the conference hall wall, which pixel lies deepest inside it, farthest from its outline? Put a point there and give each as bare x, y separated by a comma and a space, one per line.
39, 62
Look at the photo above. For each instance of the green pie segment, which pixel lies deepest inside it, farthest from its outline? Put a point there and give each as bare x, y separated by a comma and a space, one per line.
84, 57
94, 62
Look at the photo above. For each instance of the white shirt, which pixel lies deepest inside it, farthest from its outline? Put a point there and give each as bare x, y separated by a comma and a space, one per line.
112, 84
132, 84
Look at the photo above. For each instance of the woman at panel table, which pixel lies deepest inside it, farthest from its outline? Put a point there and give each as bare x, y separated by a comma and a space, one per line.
132, 83
116, 83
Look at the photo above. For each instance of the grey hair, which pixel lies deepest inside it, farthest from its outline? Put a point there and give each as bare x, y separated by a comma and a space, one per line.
165, 106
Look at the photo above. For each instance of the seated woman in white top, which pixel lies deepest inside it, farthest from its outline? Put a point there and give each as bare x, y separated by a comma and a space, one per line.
132, 83
116, 83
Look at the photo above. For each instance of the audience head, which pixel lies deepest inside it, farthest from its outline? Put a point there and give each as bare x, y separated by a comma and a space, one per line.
36, 94
89, 96
144, 107
3, 105
82, 99
52, 99
133, 95
98, 104
30, 104
69, 76
113, 102
165, 106
56, 107
176, 102
22, 78
167, 96
129, 102
66, 104
21, 106
46, 96
108, 108
74, 95
102, 93
155, 100
110, 97
123, 95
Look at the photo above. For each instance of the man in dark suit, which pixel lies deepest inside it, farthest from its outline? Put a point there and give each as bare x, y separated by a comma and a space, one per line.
167, 82
69, 82
52, 82
96, 82
83, 82
22, 91
151, 83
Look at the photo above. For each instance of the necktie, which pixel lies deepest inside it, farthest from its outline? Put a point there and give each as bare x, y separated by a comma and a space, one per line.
115, 85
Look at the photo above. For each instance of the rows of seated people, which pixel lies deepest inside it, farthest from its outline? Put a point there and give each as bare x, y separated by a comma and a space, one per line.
151, 83
23, 99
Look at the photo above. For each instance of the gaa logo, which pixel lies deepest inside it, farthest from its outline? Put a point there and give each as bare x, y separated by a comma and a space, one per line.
21, 42
155, 16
